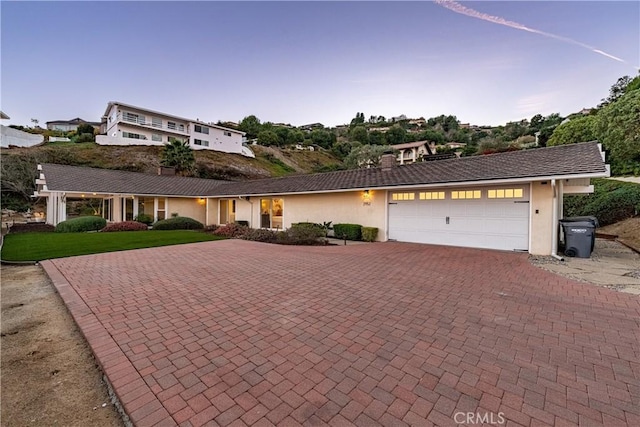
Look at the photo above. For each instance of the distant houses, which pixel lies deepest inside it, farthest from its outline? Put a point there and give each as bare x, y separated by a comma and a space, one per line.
70, 125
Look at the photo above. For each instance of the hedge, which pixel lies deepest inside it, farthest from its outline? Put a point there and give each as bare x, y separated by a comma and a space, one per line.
178, 223
611, 201
369, 234
348, 231
144, 218
83, 223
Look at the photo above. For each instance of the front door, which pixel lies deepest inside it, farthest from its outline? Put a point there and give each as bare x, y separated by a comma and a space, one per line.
227, 211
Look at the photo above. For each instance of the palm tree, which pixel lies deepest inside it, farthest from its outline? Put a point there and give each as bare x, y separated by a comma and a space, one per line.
179, 155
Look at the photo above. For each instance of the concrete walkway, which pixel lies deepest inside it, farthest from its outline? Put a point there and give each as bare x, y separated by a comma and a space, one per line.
611, 265
237, 333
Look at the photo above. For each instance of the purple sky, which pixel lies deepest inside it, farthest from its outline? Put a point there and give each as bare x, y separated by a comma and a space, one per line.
302, 62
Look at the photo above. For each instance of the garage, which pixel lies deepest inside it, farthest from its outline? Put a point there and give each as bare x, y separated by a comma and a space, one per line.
488, 217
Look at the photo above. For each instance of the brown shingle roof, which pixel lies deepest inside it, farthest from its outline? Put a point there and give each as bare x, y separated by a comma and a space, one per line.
87, 180
566, 160
575, 159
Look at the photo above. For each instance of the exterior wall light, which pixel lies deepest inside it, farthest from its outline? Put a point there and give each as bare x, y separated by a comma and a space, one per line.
201, 201
366, 198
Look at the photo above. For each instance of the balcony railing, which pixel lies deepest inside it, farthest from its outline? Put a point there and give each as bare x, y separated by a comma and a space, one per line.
171, 127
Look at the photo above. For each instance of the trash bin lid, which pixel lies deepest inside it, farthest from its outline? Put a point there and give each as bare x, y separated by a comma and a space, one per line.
590, 218
578, 224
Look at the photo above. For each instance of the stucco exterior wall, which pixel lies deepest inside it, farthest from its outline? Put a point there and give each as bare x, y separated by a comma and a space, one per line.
187, 207
217, 139
542, 226
338, 208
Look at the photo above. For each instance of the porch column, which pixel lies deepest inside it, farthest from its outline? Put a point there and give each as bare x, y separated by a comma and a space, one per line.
51, 200
402, 157
413, 154
117, 209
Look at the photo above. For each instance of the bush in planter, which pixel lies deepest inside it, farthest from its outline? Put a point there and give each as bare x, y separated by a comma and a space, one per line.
83, 223
348, 231
144, 218
125, 226
369, 234
178, 223
231, 230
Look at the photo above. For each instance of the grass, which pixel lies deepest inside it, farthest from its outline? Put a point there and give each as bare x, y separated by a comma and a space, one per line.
40, 246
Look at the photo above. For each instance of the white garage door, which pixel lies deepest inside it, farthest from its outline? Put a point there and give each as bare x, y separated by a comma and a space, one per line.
493, 217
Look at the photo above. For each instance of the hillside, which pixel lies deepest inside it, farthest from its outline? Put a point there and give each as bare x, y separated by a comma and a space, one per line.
19, 164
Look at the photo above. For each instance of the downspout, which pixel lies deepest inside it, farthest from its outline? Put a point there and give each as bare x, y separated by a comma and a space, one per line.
554, 218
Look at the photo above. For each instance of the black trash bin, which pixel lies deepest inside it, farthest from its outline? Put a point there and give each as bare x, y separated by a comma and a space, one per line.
578, 237
592, 219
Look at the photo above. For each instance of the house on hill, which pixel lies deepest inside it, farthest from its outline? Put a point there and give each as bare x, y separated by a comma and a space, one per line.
412, 152
130, 125
70, 125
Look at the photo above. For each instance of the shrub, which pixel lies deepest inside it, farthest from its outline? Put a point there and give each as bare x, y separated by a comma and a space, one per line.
31, 227
178, 223
369, 234
83, 223
144, 218
231, 230
301, 234
243, 223
125, 226
612, 201
348, 231
261, 235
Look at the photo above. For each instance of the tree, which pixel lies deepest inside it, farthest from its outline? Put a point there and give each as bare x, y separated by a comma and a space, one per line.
395, 135
179, 155
616, 91
359, 134
366, 156
268, 138
284, 136
323, 138
431, 136
85, 128
251, 126
377, 138
580, 129
618, 128
358, 120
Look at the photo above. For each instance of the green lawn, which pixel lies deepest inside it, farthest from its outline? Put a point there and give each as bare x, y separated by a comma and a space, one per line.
39, 246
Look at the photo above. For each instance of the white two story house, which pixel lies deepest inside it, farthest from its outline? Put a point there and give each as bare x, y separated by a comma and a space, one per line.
130, 125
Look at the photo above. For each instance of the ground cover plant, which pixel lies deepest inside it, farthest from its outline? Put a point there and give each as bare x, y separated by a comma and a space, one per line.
39, 246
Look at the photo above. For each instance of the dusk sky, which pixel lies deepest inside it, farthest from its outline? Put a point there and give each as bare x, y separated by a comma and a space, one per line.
304, 62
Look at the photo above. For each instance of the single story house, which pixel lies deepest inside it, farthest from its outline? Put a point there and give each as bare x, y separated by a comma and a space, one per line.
69, 125
507, 201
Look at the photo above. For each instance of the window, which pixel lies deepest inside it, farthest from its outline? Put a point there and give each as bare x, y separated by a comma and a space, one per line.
156, 122
172, 125
133, 135
506, 193
403, 196
201, 129
201, 142
468, 194
432, 195
156, 137
227, 133
271, 211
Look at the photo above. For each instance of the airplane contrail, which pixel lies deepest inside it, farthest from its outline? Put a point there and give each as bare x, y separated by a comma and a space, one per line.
458, 8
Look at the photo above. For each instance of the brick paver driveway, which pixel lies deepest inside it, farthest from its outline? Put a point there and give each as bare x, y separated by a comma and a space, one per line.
241, 333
